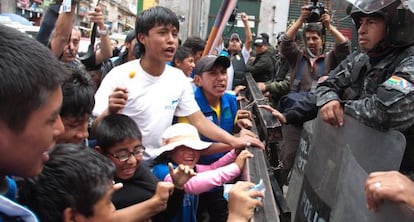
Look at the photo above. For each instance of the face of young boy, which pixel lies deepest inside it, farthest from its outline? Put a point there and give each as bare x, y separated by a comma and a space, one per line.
185, 155
24, 153
187, 65
76, 130
103, 210
214, 82
160, 43
127, 157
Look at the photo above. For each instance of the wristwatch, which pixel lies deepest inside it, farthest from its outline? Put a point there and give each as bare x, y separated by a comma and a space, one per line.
103, 31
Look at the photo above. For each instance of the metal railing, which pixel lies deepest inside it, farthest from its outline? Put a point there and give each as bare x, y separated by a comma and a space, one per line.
268, 129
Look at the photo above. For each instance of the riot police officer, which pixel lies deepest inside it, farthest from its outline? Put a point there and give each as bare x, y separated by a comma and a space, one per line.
376, 84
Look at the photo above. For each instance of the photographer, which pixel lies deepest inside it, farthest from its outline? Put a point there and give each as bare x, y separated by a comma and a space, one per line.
306, 67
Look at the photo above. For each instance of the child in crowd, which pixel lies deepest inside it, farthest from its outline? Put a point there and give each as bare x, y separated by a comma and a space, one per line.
119, 139
76, 184
197, 45
78, 101
184, 60
182, 146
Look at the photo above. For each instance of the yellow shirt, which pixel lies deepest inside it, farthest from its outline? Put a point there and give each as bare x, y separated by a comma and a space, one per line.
217, 110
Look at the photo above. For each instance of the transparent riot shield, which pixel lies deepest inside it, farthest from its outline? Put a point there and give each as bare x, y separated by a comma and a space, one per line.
334, 155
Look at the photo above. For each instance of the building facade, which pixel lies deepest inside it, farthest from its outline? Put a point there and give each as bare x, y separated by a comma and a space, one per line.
196, 16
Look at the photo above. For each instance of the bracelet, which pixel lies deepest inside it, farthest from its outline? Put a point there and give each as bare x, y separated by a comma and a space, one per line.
103, 32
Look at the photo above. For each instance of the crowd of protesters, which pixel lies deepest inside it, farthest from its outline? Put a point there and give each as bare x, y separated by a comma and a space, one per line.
153, 131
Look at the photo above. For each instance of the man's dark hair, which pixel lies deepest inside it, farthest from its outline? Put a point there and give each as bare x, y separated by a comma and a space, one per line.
29, 73
130, 36
181, 54
195, 43
75, 177
78, 94
114, 129
313, 27
152, 17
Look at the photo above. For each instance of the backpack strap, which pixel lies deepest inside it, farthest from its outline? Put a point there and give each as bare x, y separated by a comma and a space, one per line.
298, 76
321, 68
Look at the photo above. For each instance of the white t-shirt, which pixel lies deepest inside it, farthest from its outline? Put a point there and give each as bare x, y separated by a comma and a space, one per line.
152, 102
246, 54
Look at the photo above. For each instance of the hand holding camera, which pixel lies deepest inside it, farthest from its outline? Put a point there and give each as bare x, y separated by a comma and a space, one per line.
316, 9
316, 12
326, 21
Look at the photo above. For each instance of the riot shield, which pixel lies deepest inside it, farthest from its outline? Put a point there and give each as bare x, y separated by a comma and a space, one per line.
323, 186
298, 169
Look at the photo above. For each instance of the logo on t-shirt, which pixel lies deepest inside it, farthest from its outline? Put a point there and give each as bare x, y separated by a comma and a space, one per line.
172, 105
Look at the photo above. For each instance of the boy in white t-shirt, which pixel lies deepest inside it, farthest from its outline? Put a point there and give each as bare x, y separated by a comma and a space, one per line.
152, 93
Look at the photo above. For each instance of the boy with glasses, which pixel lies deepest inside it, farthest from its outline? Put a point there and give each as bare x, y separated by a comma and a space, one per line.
119, 139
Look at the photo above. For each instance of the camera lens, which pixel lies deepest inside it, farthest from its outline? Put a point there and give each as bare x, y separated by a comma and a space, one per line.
315, 14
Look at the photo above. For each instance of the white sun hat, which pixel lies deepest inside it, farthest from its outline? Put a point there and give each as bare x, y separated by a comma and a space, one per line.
181, 134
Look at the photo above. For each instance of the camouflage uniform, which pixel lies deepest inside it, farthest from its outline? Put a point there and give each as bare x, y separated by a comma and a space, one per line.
378, 92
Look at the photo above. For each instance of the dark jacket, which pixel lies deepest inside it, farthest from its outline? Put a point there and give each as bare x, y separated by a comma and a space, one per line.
141, 187
262, 66
302, 111
300, 64
279, 85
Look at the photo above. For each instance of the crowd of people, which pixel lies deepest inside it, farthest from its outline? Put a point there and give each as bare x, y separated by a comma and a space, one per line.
153, 131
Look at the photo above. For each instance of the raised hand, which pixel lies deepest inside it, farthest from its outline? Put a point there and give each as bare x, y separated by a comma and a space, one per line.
244, 123
274, 112
246, 132
243, 201
245, 141
96, 16
162, 193
180, 175
244, 114
241, 158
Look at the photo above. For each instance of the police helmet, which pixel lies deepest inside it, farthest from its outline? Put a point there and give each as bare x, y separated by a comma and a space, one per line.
398, 17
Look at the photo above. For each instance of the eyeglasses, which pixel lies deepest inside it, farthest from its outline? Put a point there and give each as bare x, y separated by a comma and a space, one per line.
124, 156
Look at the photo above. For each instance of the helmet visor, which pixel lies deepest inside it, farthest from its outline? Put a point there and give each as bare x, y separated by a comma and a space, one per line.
366, 6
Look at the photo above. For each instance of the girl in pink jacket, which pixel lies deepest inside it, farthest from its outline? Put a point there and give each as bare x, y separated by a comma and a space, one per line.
181, 146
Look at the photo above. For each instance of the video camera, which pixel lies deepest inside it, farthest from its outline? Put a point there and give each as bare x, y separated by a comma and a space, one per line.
317, 9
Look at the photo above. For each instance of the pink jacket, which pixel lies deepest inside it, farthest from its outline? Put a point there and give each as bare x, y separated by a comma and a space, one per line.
216, 174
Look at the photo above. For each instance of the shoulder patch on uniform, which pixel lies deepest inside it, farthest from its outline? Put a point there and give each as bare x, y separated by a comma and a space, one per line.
400, 84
